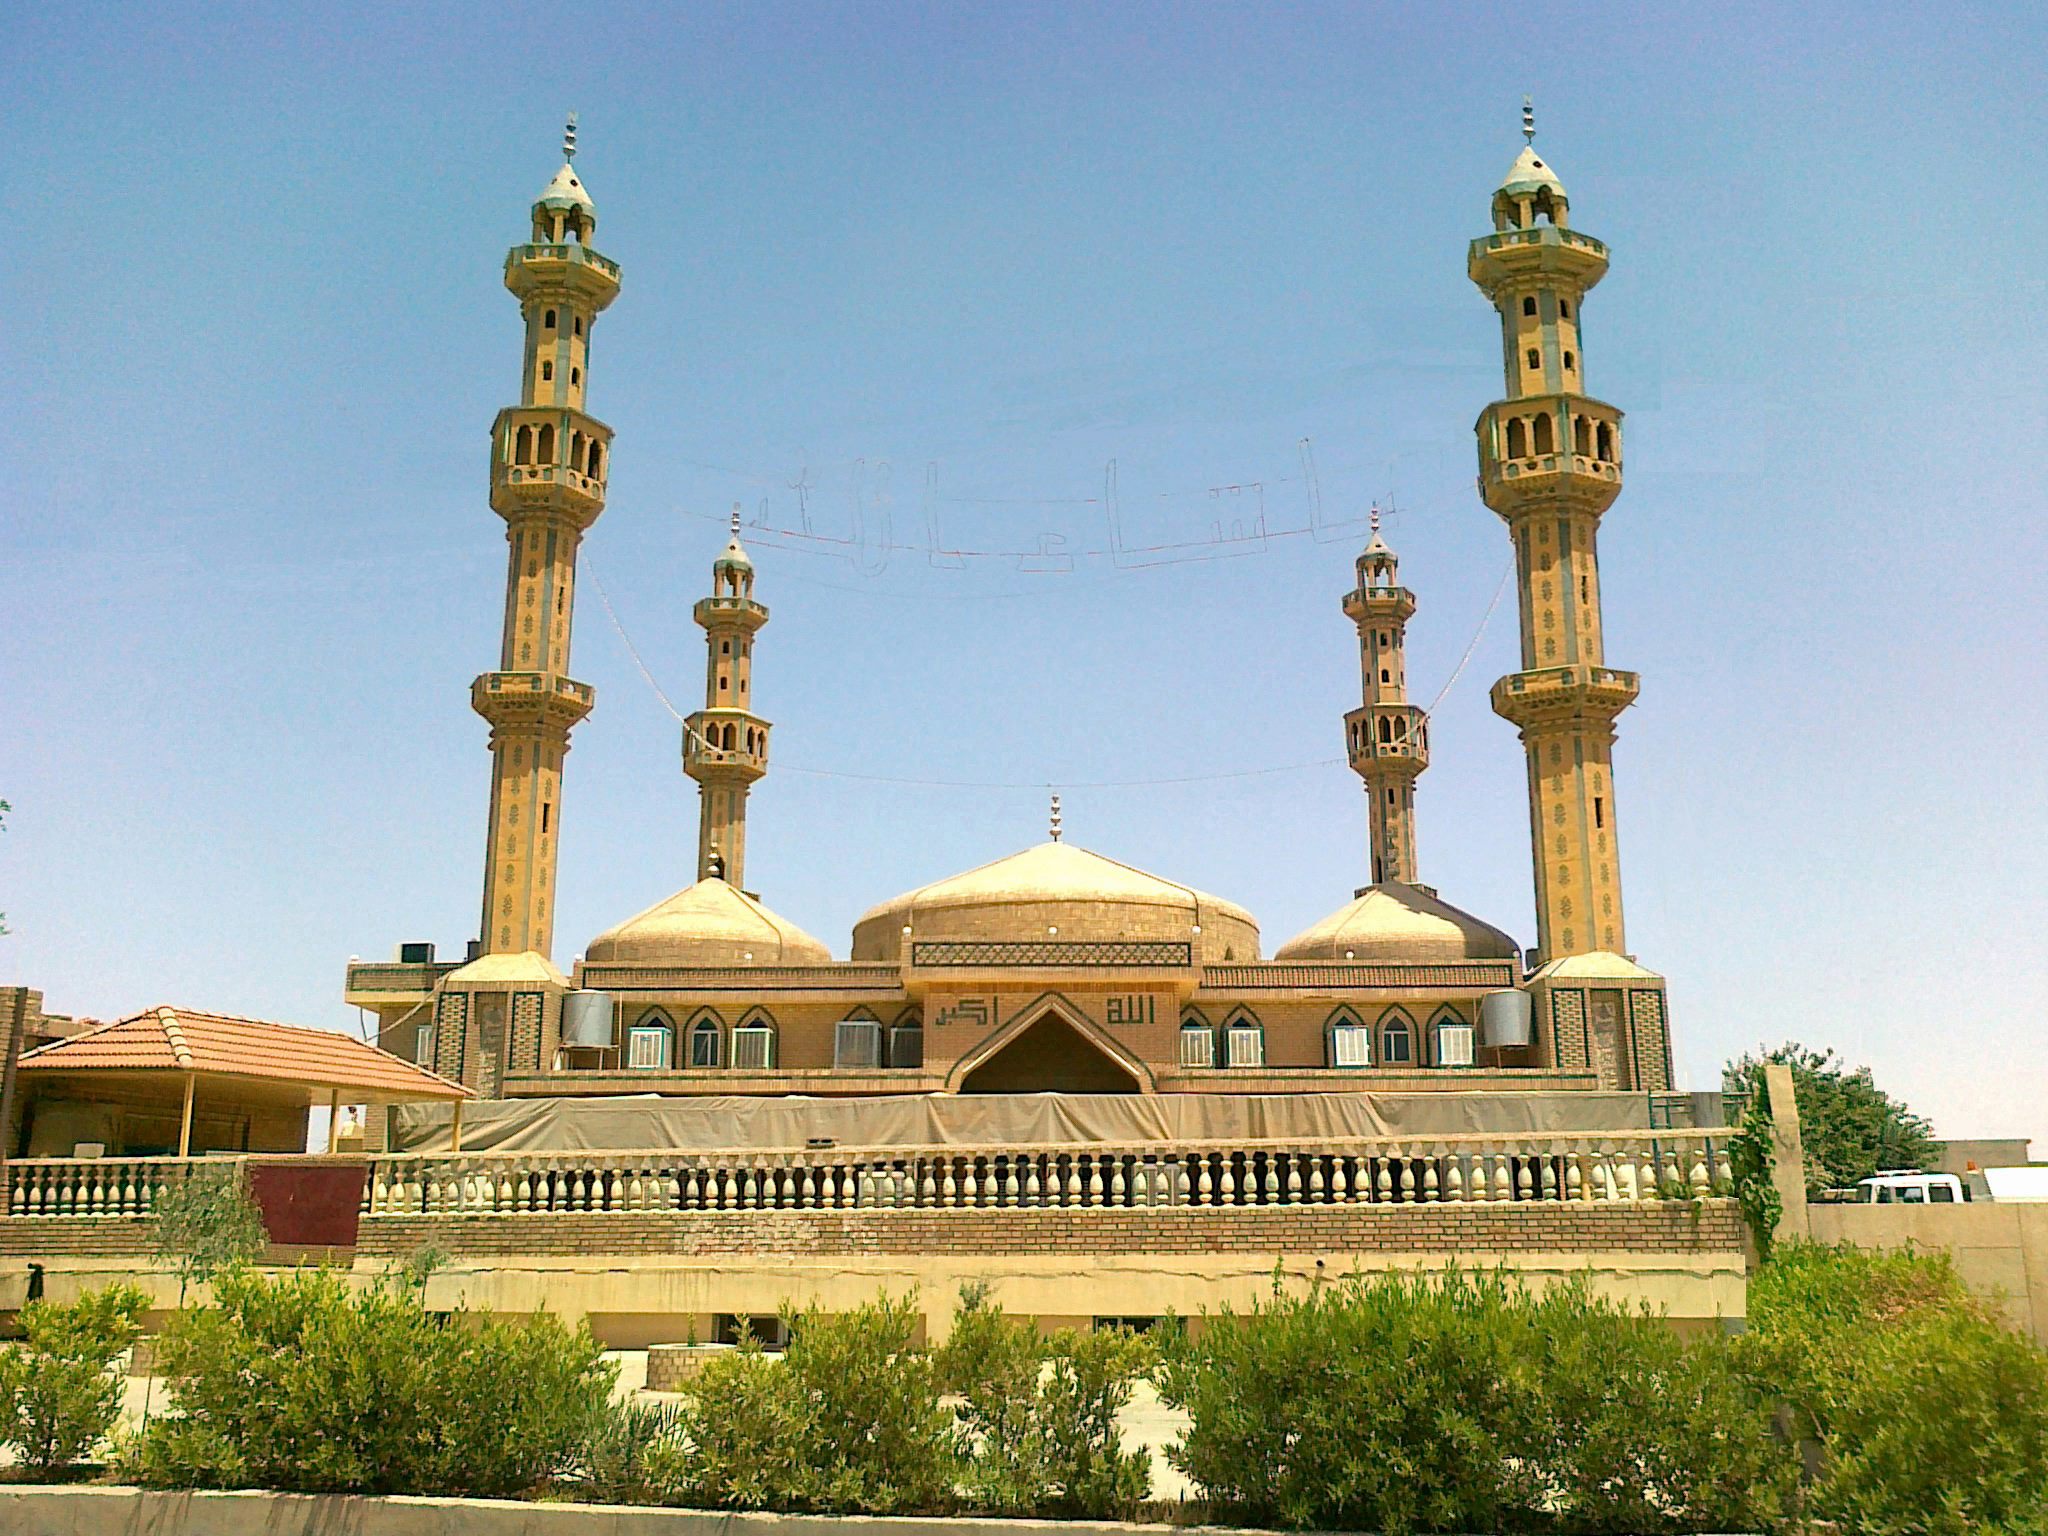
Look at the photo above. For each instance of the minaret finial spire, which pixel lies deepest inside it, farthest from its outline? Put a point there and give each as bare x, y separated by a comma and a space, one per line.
1375, 517
569, 139
735, 519
1528, 120
1055, 818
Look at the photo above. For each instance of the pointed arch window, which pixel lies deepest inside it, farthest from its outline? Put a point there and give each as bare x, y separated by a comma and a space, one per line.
650, 1044
906, 1038
1452, 1036
1244, 1042
1197, 1041
707, 1042
753, 1043
1397, 1040
1350, 1042
1603, 439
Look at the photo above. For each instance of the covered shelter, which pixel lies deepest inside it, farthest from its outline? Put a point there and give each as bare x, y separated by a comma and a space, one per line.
180, 1082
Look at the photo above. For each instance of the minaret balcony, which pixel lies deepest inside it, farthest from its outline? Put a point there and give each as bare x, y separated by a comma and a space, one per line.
1387, 738
1547, 449
569, 272
1379, 605
1564, 695
549, 458
531, 699
741, 613
725, 746
1549, 252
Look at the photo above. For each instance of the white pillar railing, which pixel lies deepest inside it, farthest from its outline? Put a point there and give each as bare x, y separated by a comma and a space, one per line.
96, 1186
1462, 1170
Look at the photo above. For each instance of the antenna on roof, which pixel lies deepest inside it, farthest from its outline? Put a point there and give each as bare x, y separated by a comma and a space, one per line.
1528, 120
569, 138
1055, 818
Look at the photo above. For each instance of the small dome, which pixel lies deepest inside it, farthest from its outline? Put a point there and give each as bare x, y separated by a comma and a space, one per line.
1391, 921
711, 923
1059, 891
1530, 174
566, 191
735, 557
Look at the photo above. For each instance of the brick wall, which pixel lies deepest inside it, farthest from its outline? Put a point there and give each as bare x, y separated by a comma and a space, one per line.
1675, 1227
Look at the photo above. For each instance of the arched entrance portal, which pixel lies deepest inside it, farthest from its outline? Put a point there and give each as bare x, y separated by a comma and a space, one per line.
1050, 1056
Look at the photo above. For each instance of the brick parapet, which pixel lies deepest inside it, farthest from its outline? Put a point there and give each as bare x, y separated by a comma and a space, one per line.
1676, 1227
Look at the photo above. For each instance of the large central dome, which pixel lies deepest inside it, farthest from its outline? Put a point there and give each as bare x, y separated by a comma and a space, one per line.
1057, 891
710, 923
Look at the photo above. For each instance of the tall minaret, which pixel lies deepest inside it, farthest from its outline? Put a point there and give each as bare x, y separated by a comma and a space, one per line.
1550, 464
725, 744
1387, 738
548, 465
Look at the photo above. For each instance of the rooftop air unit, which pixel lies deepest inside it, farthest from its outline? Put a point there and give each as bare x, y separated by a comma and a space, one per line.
857, 1043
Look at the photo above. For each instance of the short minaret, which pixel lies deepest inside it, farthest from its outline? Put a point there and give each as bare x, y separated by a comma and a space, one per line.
1550, 465
725, 744
548, 465
1387, 737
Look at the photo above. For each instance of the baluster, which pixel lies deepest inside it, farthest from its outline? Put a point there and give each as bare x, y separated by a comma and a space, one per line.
1646, 1175
1095, 1179
1673, 1177
1432, 1190
1546, 1171
1034, 1189
1407, 1165
1269, 1181
728, 1190
927, 1185
949, 1188
1454, 1178
1012, 1189
1525, 1186
1205, 1184
1724, 1168
96, 1194
1226, 1185
750, 1190
1575, 1177
1625, 1172
1382, 1182
1118, 1189
1340, 1181
807, 1188
1696, 1177
1503, 1181
1178, 1192
1071, 1194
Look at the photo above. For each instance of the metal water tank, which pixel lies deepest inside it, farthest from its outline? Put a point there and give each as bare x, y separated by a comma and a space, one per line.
1504, 1020
587, 1019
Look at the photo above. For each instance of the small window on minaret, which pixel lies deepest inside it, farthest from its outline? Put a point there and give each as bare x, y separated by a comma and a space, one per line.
1599, 812
548, 320
725, 647
1535, 358
575, 375
547, 372
1386, 676
1564, 309
579, 325
1529, 304
545, 808
1568, 360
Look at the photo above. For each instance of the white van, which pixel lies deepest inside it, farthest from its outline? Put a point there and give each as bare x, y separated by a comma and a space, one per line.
1909, 1186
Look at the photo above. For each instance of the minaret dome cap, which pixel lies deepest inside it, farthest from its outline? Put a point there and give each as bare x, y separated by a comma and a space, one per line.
567, 191
1529, 174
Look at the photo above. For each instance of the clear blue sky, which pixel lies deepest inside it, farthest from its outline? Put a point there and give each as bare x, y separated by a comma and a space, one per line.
258, 336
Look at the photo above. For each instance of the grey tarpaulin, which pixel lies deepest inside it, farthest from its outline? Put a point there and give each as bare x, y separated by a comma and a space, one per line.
654, 1122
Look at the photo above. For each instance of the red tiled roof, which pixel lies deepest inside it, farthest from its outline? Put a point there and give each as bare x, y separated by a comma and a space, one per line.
219, 1044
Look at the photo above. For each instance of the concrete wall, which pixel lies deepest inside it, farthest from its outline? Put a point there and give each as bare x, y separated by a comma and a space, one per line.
1999, 1249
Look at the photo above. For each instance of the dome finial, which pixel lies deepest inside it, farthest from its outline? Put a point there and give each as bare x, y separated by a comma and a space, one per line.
1375, 518
569, 138
735, 519
1528, 120
1055, 818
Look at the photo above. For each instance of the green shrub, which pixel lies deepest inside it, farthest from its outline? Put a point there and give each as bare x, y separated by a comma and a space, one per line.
621, 1460
1037, 1419
306, 1384
1928, 1414
1635, 1429
1455, 1401
59, 1393
1389, 1403
847, 1420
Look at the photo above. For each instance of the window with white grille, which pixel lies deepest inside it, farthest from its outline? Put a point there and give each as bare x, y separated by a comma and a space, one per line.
753, 1048
857, 1043
647, 1047
1247, 1045
1197, 1045
1350, 1045
1453, 1043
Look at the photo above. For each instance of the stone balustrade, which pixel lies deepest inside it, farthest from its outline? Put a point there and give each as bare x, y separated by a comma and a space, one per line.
1633, 1166
96, 1186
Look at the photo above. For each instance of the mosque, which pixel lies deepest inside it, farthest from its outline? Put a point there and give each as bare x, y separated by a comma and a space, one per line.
1055, 970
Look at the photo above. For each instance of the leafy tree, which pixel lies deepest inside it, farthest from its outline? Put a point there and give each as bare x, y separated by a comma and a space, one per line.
1850, 1126
59, 1395
206, 1224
